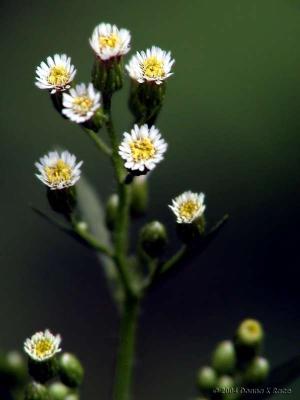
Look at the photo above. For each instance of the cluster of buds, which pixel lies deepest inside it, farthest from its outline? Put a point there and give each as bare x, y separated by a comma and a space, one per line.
55, 375
235, 365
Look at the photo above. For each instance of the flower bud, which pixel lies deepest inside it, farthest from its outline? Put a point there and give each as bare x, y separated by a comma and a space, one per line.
13, 370
146, 100
62, 201
36, 391
139, 195
250, 333
70, 370
206, 379
224, 357
42, 371
111, 214
248, 341
58, 391
153, 239
226, 386
107, 76
72, 396
257, 371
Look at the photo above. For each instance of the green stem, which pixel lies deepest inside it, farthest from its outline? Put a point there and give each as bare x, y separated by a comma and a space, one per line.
92, 241
173, 260
101, 145
125, 357
121, 231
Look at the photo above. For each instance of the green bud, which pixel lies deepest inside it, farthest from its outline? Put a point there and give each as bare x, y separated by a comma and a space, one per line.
43, 371
206, 379
257, 371
226, 386
250, 333
36, 391
58, 391
248, 341
139, 195
111, 214
224, 357
153, 239
13, 371
70, 370
62, 201
146, 100
107, 76
73, 396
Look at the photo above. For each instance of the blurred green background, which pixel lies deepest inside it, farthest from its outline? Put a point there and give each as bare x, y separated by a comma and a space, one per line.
232, 120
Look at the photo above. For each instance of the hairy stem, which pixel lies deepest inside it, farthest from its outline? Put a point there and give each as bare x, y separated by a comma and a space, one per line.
125, 357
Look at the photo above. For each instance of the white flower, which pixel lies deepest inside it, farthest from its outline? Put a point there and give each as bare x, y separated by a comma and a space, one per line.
153, 65
42, 345
58, 171
108, 41
56, 74
81, 103
188, 207
143, 148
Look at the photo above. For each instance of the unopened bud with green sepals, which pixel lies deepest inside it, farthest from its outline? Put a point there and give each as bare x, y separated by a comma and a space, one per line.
13, 371
224, 357
70, 370
58, 391
257, 371
139, 195
206, 379
36, 391
153, 239
111, 213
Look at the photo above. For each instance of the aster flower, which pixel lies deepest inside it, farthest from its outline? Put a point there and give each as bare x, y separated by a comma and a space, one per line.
42, 345
152, 65
188, 207
143, 148
81, 103
108, 41
56, 74
58, 171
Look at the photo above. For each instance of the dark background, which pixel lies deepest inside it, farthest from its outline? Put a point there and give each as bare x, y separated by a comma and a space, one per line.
232, 121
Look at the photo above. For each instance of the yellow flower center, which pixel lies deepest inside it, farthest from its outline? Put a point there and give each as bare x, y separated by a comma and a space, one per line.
142, 149
43, 347
59, 76
109, 41
153, 67
58, 173
252, 327
188, 209
82, 104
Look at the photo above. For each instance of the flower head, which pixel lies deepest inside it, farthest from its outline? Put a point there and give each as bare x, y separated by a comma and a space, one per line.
81, 103
250, 332
108, 41
58, 171
56, 74
42, 345
188, 207
152, 65
143, 148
